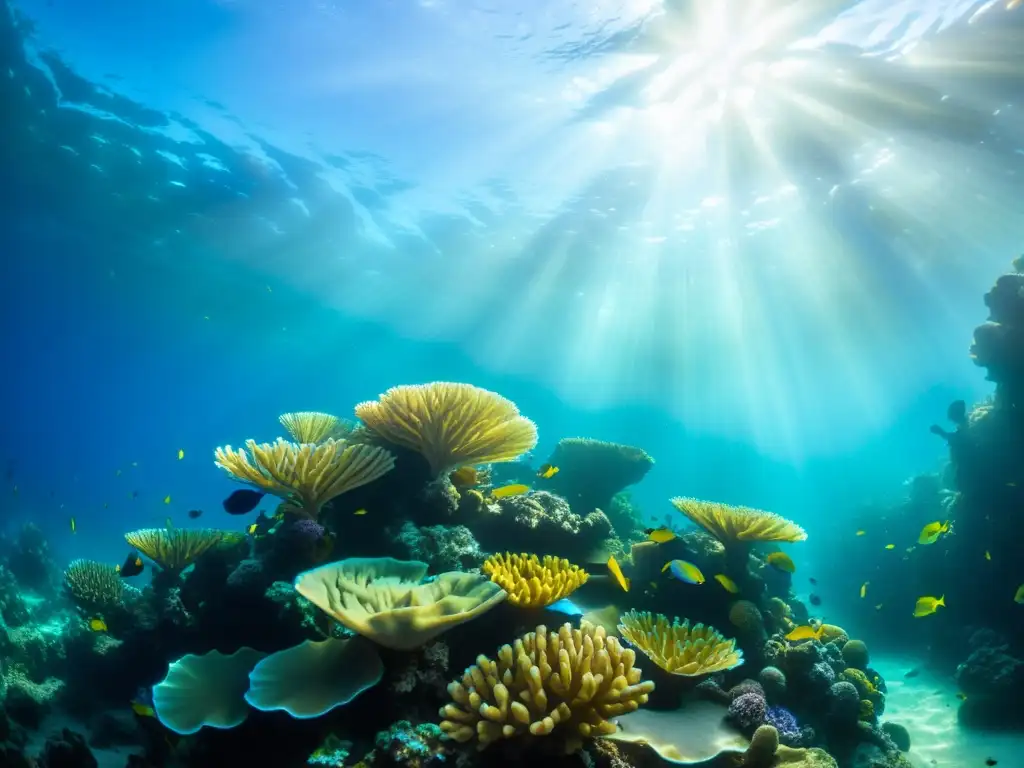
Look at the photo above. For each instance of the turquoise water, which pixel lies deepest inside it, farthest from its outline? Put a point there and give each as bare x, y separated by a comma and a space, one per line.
752, 239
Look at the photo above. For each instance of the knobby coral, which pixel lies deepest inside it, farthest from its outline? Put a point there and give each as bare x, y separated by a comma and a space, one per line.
451, 425
570, 684
531, 582
677, 647
731, 524
174, 549
93, 585
308, 474
383, 598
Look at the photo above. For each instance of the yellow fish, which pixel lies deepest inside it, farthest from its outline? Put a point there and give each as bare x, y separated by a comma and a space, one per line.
660, 535
167, 499
359, 512
616, 571
516, 489
684, 571
861, 532
926, 606
1018, 598
890, 546
864, 589
931, 532
97, 625
780, 561
74, 527
253, 528
465, 477
142, 710
879, 606
962, 696
806, 632
181, 454
988, 555
547, 471
727, 583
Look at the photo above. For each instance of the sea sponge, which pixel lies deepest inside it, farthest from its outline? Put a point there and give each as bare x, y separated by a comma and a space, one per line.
773, 680
855, 653
731, 524
315, 427
313, 677
451, 425
174, 549
867, 710
746, 617
532, 583
541, 522
92, 585
677, 647
570, 684
763, 746
899, 734
383, 599
830, 633
309, 474
748, 711
591, 472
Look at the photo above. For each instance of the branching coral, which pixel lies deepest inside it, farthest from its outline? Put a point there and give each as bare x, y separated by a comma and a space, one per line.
451, 425
569, 684
383, 598
314, 427
731, 524
94, 586
174, 549
307, 474
531, 582
677, 647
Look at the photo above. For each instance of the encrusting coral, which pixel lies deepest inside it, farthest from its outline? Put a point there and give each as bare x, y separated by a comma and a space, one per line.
451, 425
534, 583
731, 524
570, 685
385, 600
307, 474
93, 585
174, 549
677, 647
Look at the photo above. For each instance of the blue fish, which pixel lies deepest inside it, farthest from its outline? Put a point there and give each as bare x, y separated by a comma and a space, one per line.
684, 571
566, 606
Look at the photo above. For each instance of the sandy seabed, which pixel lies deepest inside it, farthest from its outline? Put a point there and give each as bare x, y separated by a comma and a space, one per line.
926, 705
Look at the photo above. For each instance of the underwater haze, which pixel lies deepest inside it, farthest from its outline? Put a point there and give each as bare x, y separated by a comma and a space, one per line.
758, 256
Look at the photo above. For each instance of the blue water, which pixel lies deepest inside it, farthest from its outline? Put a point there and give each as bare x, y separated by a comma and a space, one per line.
258, 207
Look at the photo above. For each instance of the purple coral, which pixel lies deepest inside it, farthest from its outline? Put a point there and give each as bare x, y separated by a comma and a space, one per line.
821, 676
307, 530
748, 711
744, 687
785, 723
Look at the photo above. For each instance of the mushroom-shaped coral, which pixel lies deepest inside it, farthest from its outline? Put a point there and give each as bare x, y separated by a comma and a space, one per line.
697, 734
205, 690
731, 524
314, 677
531, 582
94, 586
314, 426
385, 600
451, 425
591, 472
677, 647
307, 474
174, 549
570, 684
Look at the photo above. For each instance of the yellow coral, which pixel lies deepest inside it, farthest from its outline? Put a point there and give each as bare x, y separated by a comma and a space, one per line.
93, 585
309, 474
174, 549
532, 583
731, 524
451, 425
313, 426
383, 599
831, 632
570, 684
677, 647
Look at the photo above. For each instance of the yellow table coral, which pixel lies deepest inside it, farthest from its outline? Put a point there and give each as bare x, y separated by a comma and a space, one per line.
569, 685
531, 582
677, 647
451, 425
731, 524
386, 600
